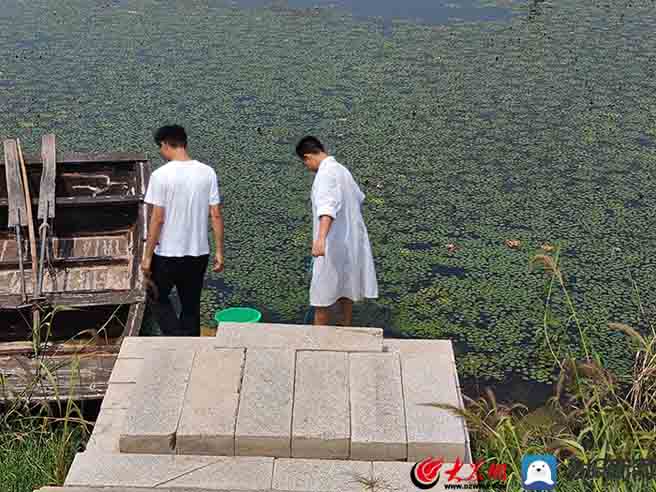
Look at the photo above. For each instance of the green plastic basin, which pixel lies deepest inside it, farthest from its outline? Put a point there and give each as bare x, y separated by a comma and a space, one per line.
238, 315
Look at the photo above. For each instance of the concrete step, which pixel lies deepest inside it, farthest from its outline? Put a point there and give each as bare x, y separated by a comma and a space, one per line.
321, 424
209, 410
264, 423
430, 376
125, 472
154, 415
300, 337
176, 396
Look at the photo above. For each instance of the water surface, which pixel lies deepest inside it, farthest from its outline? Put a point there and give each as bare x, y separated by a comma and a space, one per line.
537, 126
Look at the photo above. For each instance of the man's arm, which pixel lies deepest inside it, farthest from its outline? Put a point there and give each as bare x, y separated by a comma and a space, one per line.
154, 231
319, 246
327, 198
216, 216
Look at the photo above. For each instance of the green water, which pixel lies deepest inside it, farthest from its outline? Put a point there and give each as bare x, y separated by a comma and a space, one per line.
539, 127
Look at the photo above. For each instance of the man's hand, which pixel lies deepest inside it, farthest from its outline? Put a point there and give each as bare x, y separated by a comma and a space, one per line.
145, 265
218, 263
319, 247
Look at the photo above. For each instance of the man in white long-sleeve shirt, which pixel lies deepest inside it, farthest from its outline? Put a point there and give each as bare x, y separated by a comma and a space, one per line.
343, 270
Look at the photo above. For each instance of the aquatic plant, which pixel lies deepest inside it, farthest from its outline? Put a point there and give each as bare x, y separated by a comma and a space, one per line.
594, 413
538, 129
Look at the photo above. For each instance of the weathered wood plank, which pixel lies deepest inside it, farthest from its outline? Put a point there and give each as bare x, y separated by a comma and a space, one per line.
15, 193
92, 247
60, 349
83, 376
80, 299
47, 189
9, 252
135, 239
101, 180
135, 319
140, 230
143, 214
30, 220
74, 249
71, 201
98, 200
90, 157
85, 278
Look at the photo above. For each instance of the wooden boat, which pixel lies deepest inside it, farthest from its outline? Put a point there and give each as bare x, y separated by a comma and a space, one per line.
63, 316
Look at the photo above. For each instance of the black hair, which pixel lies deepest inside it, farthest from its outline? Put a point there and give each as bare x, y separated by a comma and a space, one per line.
309, 145
174, 135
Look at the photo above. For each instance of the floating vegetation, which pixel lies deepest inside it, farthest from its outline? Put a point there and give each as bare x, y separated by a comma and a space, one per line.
537, 128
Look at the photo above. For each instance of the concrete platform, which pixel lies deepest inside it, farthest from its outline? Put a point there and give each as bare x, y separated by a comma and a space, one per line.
207, 399
274, 408
130, 473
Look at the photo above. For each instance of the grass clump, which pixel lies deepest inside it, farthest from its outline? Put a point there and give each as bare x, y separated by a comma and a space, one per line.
39, 438
593, 415
33, 454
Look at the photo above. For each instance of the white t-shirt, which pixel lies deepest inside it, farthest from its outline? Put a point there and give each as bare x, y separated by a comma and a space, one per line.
185, 189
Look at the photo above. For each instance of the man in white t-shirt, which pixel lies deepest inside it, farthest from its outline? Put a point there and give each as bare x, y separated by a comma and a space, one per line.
182, 193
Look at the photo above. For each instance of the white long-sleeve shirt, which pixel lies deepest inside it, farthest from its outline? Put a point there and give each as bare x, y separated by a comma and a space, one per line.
347, 269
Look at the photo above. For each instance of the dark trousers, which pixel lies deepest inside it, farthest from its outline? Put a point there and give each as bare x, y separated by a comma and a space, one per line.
186, 273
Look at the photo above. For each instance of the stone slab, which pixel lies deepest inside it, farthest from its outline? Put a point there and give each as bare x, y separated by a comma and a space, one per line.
307, 475
437, 348
154, 415
107, 430
118, 396
126, 370
139, 347
129, 489
300, 337
378, 428
136, 489
207, 425
226, 473
321, 422
428, 379
395, 476
91, 469
264, 422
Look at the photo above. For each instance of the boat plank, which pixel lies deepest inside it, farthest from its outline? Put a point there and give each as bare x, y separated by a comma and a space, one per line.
135, 318
75, 249
90, 157
73, 279
83, 376
59, 349
47, 189
80, 299
15, 193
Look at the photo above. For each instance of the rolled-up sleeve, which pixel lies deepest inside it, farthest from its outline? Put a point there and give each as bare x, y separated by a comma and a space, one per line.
215, 190
327, 195
155, 192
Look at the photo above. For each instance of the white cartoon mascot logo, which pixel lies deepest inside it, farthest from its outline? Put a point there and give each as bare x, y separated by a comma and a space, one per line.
539, 471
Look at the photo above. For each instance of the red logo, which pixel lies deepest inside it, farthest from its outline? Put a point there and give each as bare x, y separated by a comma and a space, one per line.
426, 473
